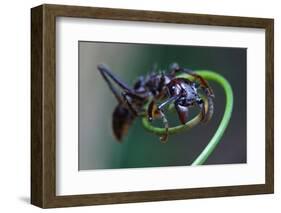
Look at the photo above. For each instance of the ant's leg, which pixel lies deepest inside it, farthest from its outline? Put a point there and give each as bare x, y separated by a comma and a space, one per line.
207, 108
203, 105
107, 74
169, 100
113, 90
161, 83
134, 96
105, 71
128, 102
154, 110
209, 104
203, 83
182, 112
164, 137
175, 68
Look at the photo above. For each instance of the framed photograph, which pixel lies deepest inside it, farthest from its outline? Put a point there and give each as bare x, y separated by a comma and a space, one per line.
135, 106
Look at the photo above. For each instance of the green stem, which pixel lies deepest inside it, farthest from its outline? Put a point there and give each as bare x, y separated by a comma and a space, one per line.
203, 156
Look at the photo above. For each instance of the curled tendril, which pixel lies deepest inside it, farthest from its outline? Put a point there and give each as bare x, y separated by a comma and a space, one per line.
207, 151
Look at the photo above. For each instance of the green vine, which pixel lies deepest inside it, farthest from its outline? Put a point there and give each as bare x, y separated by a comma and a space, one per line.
207, 151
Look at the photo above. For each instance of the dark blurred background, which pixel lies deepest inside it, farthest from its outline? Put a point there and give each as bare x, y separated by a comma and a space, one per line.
98, 148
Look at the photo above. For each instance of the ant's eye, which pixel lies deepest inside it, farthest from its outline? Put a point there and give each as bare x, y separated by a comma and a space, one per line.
174, 90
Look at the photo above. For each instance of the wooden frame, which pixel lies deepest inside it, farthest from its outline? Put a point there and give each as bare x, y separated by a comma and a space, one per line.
43, 120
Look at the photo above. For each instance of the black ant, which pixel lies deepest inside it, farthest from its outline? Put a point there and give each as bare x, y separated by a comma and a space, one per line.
156, 87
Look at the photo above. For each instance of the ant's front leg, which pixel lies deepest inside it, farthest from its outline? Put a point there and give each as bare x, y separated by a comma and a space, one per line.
157, 111
203, 108
208, 108
182, 112
202, 82
154, 111
175, 68
206, 105
164, 137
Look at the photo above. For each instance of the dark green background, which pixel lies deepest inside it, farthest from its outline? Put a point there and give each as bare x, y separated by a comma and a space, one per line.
98, 148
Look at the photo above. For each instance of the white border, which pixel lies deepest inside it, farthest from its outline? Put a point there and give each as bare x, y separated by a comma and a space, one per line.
70, 181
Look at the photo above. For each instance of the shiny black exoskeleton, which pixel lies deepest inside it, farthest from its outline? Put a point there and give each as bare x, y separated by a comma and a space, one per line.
154, 88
